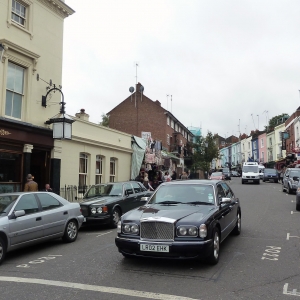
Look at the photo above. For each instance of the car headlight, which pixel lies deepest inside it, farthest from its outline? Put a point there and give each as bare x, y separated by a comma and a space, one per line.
93, 210
119, 227
99, 210
190, 231
131, 229
203, 231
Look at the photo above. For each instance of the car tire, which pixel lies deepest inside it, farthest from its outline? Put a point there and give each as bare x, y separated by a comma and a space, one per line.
213, 257
283, 188
71, 232
115, 217
297, 206
276, 181
242, 181
238, 226
288, 189
3, 248
258, 182
264, 180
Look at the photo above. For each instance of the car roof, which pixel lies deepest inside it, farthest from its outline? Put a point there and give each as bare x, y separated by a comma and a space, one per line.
23, 193
193, 181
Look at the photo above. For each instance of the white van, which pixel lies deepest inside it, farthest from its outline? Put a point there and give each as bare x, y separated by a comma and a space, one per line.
250, 172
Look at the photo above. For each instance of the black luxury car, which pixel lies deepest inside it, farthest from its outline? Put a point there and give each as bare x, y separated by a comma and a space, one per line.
227, 174
270, 175
105, 203
181, 220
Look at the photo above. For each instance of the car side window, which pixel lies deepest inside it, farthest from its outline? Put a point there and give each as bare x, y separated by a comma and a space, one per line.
143, 188
128, 189
48, 202
227, 190
221, 193
136, 187
27, 203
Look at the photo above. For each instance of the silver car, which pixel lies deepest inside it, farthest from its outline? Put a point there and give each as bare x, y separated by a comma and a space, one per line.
33, 217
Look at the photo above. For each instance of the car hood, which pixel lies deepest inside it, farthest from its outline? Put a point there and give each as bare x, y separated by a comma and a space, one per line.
172, 211
100, 200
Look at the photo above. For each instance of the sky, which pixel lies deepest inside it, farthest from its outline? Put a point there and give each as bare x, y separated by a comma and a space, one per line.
229, 65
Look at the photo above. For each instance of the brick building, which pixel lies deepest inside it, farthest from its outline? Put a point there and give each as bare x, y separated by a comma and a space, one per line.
289, 127
138, 114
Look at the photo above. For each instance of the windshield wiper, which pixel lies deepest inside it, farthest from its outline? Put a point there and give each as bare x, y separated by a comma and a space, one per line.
199, 202
168, 202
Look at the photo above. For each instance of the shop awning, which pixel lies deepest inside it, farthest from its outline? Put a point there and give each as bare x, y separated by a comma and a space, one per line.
166, 154
138, 146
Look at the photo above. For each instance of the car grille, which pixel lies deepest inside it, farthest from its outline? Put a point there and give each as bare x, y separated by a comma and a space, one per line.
250, 176
157, 231
84, 210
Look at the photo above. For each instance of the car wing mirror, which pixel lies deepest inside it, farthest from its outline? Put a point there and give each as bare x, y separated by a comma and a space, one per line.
145, 199
225, 200
19, 213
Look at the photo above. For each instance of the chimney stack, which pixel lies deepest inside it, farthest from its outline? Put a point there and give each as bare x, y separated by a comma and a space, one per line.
82, 115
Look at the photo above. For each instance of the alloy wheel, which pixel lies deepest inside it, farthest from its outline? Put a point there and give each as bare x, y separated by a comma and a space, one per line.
216, 245
1, 251
72, 230
116, 216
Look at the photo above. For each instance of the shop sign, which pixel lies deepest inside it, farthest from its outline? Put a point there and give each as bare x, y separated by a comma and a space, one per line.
146, 135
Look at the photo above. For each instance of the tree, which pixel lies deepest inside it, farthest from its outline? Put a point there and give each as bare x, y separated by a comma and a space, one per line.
276, 121
105, 120
205, 150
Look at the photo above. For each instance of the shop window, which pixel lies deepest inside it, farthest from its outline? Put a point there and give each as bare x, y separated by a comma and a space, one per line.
99, 169
83, 170
14, 91
18, 12
168, 139
112, 168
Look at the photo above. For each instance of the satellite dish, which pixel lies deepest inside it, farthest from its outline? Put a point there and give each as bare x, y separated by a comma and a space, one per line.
141, 88
131, 89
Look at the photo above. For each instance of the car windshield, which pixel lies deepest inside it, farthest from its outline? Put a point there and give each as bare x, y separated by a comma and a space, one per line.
6, 203
250, 169
295, 173
225, 170
216, 174
102, 190
270, 171
184, 193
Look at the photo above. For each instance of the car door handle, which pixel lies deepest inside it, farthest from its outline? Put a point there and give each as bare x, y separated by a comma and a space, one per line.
65, 212
38, 219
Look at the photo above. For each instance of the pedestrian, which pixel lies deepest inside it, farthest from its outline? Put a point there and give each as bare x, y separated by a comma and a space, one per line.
167, 177
30, 185
188, 174
147, 184
282, 174
48, 188
174, 175
184, 176
279, 175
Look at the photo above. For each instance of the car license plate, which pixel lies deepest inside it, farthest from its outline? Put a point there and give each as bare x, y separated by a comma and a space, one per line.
154, 248
250, 180
84, 219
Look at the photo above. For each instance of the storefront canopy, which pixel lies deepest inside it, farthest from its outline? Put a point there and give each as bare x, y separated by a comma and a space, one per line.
138, 146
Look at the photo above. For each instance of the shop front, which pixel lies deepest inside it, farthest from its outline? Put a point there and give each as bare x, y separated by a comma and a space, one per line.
24, 149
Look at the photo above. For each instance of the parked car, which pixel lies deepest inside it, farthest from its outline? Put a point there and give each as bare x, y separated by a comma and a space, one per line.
181, 220
270, 175
298, 198
217, 176
226, 173
290, 180
105, 203
235, 174
29, 218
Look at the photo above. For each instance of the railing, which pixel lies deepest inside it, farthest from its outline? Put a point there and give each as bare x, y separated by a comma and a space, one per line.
73, 193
